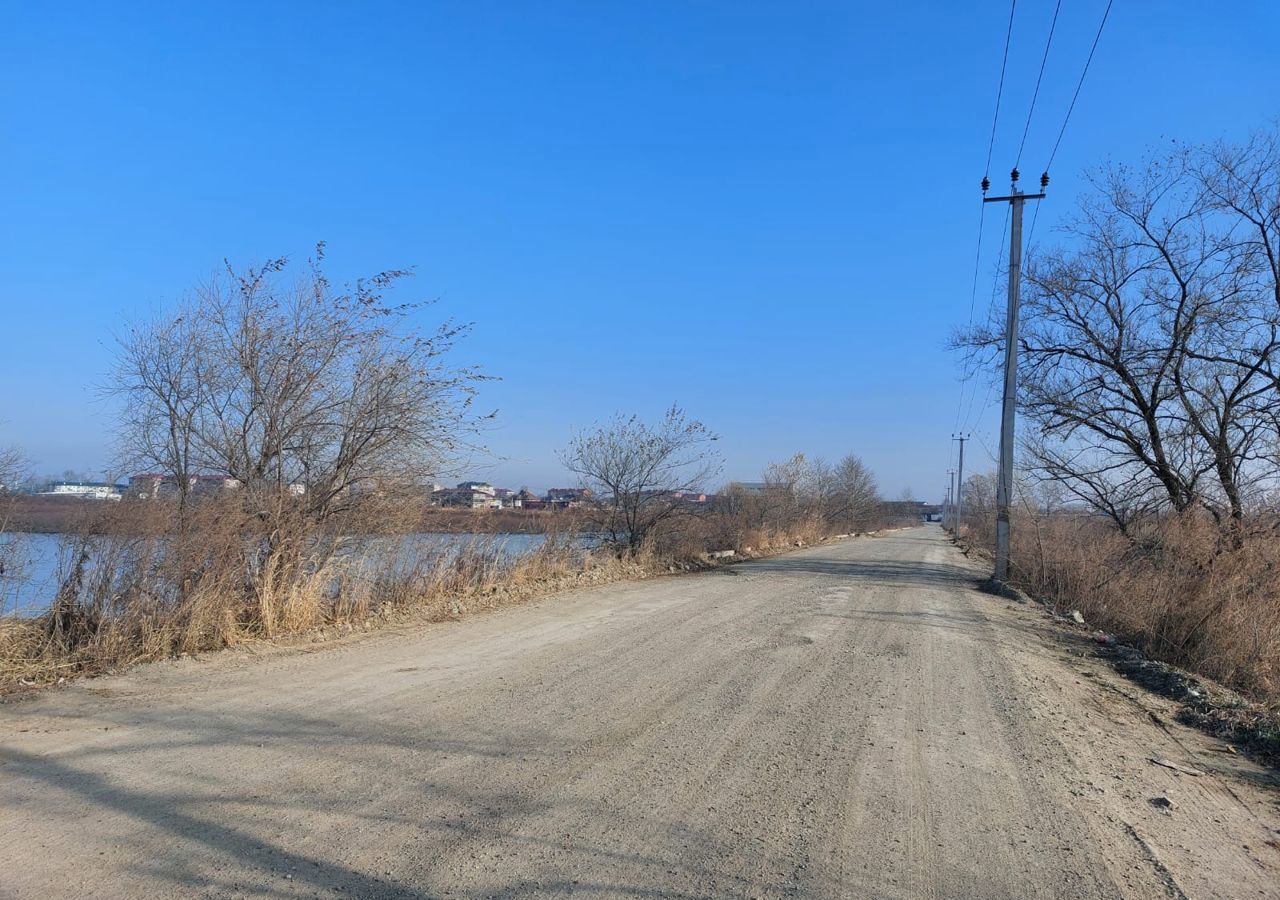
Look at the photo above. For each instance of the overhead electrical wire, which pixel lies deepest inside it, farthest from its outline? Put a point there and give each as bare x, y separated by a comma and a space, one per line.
1031, 232
973, 294
1076, 96
991, 144
1004, 62
1071, 108
1053, 25
966, 420
969, 414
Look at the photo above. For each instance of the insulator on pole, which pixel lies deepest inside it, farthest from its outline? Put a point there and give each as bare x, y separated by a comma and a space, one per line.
1013, 176
986, 184
1044, 181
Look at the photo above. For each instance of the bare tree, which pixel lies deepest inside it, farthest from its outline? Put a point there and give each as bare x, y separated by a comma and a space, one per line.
637, 469
294, 386
853, 500
1149, 345
162, 375
14, 470
313, 399
843, 495
791, 491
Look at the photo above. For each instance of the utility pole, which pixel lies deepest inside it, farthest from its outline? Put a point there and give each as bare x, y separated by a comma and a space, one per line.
1004, 486
951, 499
960, 480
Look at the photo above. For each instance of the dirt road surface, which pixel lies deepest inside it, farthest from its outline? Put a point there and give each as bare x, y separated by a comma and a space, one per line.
852, 720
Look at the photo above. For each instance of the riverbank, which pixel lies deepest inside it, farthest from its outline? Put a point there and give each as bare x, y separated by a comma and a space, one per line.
57, 646
69, 515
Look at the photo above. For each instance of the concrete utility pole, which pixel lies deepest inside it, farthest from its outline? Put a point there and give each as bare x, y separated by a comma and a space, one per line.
951, 499
1004, 487
960, 480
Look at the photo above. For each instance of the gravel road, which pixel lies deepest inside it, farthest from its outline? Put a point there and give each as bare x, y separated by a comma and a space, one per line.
851, 720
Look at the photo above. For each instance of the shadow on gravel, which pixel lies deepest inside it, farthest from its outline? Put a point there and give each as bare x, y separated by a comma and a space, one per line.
878, 572
952, 620
239, 826
228, 844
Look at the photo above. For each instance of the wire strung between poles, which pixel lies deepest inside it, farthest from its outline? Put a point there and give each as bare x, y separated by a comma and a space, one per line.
1076, 96
1013, 7
1036, 94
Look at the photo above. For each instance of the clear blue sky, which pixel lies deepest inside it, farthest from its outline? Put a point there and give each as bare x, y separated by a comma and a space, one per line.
766, 211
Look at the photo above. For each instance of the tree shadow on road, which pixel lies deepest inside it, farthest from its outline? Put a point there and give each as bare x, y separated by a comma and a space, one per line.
943, 576
230, 831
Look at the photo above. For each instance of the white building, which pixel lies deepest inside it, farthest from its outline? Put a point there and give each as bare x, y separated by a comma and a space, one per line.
83, 490
469, 495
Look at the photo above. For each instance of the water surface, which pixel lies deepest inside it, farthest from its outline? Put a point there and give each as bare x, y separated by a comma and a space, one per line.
43, 560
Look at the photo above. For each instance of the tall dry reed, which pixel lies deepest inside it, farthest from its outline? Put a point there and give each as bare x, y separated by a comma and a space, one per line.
1179, 589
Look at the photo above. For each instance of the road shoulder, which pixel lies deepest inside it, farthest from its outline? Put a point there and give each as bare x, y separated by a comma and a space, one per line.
1204, 820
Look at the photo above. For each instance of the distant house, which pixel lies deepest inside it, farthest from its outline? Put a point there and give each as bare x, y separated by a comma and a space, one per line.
678, 496
688, 496
567, 498
468, 495
145, 486
213, 484
527, 499
913, 509
83, 490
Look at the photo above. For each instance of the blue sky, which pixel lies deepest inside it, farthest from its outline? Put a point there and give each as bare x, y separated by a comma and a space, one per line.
764, 211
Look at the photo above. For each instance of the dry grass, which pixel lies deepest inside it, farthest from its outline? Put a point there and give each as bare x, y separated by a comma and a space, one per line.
117, 607
1181, 592
134, 590
135, 598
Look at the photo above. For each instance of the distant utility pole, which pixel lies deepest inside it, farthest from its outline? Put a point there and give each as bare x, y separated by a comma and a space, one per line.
951, 501
959, 498
1004, 487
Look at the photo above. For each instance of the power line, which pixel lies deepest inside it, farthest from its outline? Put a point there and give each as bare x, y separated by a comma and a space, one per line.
969, 416
977, 259
1076, 96
991, 454
970, 376
1000, 90
1036, 94
973, 295
982, 211
1026, 130
1035, 217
